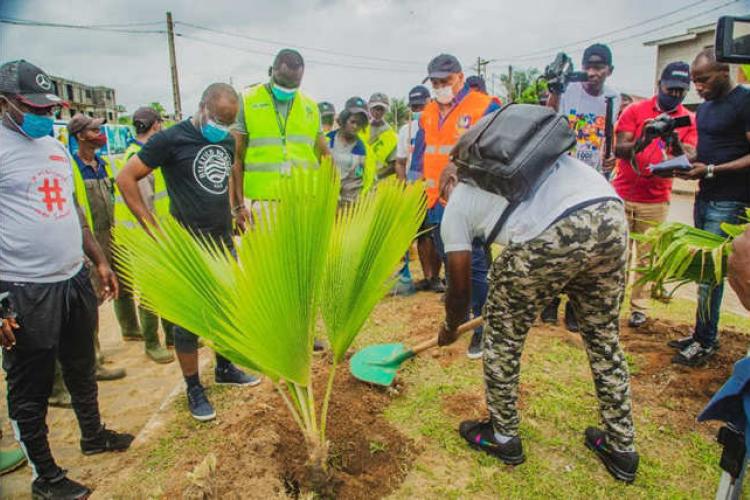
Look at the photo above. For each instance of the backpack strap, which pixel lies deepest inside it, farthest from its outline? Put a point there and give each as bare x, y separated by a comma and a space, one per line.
497, 228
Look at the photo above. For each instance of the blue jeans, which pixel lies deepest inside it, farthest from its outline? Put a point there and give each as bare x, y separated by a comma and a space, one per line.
479, 284
708, 215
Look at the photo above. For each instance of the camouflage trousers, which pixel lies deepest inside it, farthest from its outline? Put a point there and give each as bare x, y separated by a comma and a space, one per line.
583, 255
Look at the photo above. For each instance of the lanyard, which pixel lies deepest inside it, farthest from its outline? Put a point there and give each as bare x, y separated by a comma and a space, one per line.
281, 124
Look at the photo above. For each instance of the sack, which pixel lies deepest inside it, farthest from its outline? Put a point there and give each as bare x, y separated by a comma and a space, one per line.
511, 151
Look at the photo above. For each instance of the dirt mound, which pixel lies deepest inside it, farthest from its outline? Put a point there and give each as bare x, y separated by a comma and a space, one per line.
260, 452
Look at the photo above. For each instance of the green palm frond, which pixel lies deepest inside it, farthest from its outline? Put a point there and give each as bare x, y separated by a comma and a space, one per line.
369, 239
260, 310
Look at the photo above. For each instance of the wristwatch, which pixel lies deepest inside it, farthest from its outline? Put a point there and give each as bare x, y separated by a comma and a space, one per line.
710, 171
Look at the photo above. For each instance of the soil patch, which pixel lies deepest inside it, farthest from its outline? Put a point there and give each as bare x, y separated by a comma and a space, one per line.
260, 452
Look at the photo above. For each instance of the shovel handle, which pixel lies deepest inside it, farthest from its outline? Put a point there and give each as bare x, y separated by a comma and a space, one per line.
466, 327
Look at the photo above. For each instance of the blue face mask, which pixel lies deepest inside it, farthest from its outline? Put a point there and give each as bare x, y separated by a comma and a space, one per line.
35, 126
415, 115
213, 132
283, 94
668, 102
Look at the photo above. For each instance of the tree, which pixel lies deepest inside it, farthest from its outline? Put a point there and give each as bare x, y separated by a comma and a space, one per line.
523, 85
398, 113
159, 108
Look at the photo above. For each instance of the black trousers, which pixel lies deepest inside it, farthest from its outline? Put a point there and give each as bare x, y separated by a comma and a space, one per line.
57, 321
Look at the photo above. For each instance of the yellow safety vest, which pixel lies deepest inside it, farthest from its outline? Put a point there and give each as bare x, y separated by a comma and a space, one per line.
123, 215
273, 145
80, 190
378, 152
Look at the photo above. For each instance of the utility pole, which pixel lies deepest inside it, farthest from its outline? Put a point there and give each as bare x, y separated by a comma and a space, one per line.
511, 87
173, 69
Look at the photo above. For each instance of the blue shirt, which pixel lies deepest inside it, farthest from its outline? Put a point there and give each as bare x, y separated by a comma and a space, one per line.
417, 159
88, 172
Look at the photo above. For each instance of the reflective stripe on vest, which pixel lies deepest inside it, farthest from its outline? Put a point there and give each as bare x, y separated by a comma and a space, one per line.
269, 152
123, 215
440, 138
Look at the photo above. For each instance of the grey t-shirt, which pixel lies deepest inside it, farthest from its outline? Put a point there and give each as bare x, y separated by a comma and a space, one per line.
349, 160
40, 233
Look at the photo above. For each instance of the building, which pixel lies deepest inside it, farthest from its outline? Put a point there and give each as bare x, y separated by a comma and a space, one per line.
98, 101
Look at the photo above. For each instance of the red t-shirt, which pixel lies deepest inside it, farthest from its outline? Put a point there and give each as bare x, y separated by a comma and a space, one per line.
640, 185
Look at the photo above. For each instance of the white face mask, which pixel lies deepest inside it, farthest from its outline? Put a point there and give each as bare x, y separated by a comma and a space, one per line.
443, 95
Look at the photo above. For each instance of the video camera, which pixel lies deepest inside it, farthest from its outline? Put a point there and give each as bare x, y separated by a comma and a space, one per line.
560, 73
664, 125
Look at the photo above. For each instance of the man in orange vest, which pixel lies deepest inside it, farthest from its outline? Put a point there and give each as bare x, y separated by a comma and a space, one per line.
452, 112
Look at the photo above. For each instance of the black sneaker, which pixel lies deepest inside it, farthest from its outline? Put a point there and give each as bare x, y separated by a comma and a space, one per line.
475, 347
436, 285
682, 343
198, 404
637, 319
571, 323
231, 375
106, 440
621, 464
694, 354
422, 285
549, 314
319, 346
59, 487
481, 436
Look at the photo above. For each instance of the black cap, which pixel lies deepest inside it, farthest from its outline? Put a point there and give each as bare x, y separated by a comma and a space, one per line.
442, 66
676, 75
29, 83
356, 105
326, 108
476, 82
144, 117
418, 95
597, 54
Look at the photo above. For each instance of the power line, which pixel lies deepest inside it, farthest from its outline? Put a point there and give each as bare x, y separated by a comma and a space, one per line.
314, 49
553, 50
90, 27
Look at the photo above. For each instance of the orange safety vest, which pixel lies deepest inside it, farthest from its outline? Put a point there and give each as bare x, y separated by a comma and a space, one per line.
440, 139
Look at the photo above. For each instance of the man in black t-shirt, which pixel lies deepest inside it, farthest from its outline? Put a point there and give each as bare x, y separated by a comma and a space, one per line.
196, 158
723, 170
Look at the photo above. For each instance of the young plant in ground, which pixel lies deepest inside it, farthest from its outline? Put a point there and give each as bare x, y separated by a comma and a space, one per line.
260, 309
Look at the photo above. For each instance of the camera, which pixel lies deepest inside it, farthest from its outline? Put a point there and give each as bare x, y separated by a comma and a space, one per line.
664, 125
560, 72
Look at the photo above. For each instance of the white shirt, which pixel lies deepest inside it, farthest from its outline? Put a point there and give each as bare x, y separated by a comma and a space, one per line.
586, 115
40, 233
473, 212
405, 146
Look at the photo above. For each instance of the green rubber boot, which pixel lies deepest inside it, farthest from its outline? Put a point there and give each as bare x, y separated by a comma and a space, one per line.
11, 460
127, 319
150, 329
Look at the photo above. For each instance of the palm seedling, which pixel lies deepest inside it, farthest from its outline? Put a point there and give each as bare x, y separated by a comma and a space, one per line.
301, 261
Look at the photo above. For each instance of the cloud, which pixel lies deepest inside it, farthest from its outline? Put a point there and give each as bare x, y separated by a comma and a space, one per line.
395, 40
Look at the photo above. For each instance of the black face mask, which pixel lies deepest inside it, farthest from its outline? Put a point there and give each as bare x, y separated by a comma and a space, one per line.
669, 102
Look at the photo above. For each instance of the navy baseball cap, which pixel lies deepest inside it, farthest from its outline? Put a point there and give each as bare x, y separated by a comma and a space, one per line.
476, 82
326, 108
442, 66
597, 54
29, 83
676, 75
418, 95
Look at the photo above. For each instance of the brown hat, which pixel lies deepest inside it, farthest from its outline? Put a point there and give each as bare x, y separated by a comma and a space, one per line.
81, 122
145, 116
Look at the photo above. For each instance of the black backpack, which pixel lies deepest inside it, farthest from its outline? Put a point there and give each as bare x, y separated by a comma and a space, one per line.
511, 151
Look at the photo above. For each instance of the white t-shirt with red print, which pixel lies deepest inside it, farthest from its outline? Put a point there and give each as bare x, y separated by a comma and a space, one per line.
40, 233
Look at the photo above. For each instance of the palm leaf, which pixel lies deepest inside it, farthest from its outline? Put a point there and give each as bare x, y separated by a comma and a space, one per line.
259, 310
369, 239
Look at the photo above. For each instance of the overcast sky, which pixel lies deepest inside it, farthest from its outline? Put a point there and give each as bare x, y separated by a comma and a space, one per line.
351, 47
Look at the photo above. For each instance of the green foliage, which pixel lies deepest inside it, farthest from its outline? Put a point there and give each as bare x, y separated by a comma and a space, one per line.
158, 107
523, 85
398, 113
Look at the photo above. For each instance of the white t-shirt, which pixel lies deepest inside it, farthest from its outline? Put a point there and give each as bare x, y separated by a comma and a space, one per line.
405, 146
472, 212
586, 114
40, 234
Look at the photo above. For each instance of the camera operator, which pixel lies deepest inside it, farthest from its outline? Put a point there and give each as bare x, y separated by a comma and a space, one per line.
585, 106
723, 170
639, 145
